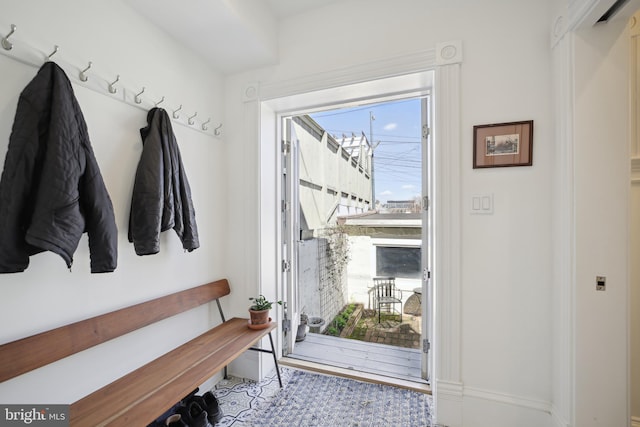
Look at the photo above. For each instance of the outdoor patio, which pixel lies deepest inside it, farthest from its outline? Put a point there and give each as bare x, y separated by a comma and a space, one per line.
388, 348
389, 330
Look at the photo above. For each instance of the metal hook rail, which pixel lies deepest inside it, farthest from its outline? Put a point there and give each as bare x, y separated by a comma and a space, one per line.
31, 56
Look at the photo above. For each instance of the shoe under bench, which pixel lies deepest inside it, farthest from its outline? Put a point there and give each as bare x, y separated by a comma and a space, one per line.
139, 397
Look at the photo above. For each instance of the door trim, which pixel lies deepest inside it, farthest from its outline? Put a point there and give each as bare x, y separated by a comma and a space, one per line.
447, 213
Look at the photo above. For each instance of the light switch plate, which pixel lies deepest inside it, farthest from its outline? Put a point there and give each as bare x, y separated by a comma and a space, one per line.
481, 204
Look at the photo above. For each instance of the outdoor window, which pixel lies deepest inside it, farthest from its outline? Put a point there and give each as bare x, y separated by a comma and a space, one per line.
398, 262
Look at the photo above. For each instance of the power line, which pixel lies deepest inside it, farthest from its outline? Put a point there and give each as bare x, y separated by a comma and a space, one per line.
366, 107
348, 133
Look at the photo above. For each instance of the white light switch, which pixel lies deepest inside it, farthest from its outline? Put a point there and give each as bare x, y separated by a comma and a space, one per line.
482, 204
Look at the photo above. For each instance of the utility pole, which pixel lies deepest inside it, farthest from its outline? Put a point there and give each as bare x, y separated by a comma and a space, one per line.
373, 148
373, 182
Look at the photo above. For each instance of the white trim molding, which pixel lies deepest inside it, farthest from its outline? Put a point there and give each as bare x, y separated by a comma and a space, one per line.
402, 64
448, 396
564, 289
635, 170
447, 237
634, 84
508, 399
558, 29
446, 197
577, 13
251, 92
557, 420
449, 53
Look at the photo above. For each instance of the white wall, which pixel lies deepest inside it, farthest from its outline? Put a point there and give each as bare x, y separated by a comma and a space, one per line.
505, 341
47, 295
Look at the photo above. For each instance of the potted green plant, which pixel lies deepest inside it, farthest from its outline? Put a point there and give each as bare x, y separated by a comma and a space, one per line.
259, 311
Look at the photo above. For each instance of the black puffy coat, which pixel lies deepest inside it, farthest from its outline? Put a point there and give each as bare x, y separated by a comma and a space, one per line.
161, 194
51, 190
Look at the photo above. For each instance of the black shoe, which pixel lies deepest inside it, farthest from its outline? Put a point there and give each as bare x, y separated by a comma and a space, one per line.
175, 420
193, 414
212, 407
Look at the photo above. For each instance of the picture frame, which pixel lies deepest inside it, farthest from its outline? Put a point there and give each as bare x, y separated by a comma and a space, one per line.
503, 144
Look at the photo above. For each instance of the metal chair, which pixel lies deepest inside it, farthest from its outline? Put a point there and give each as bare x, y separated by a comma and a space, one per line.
386, 295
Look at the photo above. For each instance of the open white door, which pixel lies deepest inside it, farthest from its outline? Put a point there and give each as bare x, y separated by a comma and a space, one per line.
427, 232
290, 227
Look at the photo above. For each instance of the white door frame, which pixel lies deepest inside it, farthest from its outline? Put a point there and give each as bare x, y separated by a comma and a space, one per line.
294, 93
427, 241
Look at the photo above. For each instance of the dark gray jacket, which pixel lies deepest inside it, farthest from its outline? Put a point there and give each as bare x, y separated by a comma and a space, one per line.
161, 194
51, 190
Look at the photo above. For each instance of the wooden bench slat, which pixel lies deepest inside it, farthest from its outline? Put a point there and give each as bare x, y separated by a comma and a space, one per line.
149, 377
24, 355
141, 396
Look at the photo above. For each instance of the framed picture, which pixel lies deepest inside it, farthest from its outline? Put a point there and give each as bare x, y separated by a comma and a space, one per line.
503, 144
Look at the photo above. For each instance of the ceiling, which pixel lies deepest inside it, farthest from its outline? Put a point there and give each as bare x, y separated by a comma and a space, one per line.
231, 35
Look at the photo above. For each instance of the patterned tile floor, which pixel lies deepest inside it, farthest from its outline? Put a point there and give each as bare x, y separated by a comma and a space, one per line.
239, 397
243, 400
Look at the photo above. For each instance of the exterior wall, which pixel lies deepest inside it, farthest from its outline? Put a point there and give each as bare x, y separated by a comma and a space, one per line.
362, 268
321, 295
326, 175
47, 295
359, 271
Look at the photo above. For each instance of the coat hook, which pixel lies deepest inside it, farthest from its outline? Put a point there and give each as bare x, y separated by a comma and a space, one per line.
217, 130
204, 125
175, 113
6, 44
137, 98
191, 121
55, 50
83, 73
112, 88
160, 102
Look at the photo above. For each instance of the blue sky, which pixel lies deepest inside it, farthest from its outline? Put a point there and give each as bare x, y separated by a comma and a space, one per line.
397, 157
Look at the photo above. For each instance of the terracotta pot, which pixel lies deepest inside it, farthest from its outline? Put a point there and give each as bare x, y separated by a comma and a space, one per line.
259, 317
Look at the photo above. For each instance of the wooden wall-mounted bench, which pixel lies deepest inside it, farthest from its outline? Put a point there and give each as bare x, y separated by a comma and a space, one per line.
139, 397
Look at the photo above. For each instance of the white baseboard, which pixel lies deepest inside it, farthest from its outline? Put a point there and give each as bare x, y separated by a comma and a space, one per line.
557, 420
448, 403
457, 405
508, 399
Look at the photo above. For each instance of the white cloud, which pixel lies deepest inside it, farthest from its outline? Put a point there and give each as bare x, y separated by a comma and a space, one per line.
386, 193
408, 187
390, 126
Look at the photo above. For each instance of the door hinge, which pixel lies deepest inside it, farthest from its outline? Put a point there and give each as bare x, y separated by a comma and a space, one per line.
425, 203
286, 266
426, 346
425, 131
286, 147
286, 325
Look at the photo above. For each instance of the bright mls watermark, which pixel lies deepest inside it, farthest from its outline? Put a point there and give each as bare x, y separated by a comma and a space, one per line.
34, 415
